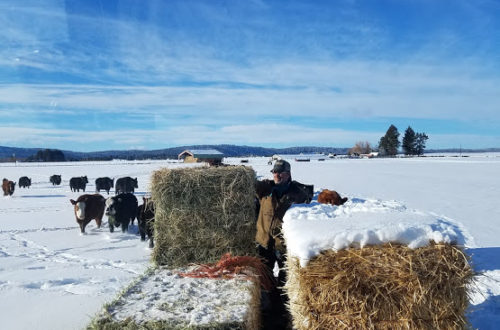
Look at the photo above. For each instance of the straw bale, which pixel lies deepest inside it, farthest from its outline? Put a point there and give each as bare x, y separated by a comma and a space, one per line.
381, 287
202, 213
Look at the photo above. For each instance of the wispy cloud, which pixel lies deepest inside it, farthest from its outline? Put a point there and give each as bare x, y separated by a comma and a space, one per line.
231, 71
267, 135
349, 89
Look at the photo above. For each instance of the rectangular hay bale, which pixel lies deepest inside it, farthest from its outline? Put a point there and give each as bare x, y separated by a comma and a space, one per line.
386, 286
161, 299
203, 213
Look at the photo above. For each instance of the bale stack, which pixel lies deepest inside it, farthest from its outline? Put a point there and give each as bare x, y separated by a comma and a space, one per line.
203, 213
387, 286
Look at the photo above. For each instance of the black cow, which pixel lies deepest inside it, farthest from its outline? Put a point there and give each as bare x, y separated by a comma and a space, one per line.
121, 209
104, 184
8, 187
78, 183
24, 182
125, 185
308, 189
55, 179
88, 207
146, 220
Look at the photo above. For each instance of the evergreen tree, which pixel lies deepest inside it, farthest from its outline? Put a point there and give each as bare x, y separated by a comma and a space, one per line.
409, 142
420, 140
389, 143
381, 146
47, 155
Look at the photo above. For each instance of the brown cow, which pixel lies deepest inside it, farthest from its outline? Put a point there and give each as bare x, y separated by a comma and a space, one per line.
331, 197
88, 207
8, 187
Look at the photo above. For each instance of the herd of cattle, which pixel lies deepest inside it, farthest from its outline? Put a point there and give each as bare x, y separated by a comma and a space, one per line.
121, 209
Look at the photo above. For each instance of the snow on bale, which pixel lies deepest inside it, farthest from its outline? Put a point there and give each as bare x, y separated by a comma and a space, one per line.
163, 299
203, 213
374, 265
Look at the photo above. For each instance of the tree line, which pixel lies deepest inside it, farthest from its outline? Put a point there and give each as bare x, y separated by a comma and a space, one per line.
413, 143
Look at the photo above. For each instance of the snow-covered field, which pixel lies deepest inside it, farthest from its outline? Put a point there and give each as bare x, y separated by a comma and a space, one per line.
51, 277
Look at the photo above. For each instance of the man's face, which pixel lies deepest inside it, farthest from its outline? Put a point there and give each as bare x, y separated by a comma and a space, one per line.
281, 177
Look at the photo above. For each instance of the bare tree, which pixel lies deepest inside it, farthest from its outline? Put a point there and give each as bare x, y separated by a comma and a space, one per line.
360, 148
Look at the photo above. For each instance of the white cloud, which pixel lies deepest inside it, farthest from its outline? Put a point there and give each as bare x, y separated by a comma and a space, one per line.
271, 135
326, 90
230, 78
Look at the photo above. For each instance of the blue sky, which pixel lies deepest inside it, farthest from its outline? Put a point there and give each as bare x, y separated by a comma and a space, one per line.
97, 75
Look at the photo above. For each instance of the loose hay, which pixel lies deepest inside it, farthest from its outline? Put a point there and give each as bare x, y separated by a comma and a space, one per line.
202, 213
381, 287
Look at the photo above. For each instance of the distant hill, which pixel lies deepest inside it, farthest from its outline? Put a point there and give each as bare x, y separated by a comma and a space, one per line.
9, 153
21, 154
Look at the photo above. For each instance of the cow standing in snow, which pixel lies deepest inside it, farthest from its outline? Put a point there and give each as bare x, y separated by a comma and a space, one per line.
78, 183
88, 207
331, 197
8, 187
104, 184
146, 220
121, 210
55, 179
125, 185
24, 182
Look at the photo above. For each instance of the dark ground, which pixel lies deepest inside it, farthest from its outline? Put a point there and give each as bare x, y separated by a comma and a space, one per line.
275, 315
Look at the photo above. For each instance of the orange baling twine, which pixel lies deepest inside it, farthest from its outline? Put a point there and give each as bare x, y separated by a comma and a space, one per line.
229, 267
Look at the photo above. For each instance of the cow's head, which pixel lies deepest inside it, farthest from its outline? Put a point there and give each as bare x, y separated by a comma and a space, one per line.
10, 186
148, 204
135, 183
84, 179
79, 209
111, 206
309, 190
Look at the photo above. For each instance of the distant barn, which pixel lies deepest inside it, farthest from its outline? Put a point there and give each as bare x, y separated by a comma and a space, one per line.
210, 156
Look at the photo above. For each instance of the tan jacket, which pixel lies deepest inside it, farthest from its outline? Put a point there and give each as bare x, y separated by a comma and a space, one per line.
272, 210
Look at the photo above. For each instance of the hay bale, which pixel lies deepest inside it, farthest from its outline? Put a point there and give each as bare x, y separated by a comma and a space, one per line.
202, 213
387, 286
162, 299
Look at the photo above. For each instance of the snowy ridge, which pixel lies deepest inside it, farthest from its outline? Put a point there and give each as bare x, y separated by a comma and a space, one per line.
312, 228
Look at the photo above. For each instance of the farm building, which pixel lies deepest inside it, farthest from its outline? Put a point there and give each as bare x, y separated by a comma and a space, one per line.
210, 156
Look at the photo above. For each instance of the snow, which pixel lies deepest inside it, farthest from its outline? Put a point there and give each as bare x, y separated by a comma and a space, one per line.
165, 295
310, 229
51, 277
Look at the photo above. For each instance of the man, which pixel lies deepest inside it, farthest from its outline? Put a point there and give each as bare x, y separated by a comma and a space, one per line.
276, 197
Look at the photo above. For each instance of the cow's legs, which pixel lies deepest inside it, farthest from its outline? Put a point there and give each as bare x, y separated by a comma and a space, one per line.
98, 220
125, 226
82, 227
